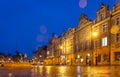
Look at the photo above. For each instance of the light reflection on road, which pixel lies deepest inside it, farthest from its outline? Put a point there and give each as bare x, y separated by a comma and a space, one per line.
62, 71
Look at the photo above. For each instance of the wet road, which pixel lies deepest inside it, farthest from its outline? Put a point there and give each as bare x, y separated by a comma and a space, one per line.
62, 71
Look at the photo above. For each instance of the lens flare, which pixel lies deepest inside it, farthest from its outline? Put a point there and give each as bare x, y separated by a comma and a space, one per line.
40, 38
82, 3
43, 29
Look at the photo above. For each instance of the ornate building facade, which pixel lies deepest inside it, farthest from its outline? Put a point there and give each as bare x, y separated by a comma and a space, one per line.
115, 38
82, 42
101, 26
68, 43
91, 42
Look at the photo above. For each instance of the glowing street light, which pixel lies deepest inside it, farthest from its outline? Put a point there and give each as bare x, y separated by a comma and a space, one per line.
61, 47
88, 54
40, 56
48, 52
78, 56
95, 34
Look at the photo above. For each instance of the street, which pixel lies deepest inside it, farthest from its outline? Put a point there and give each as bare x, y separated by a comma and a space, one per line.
62, 71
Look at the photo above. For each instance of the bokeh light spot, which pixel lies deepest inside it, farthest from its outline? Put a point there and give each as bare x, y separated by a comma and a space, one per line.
82, 3
40, 38
43, 29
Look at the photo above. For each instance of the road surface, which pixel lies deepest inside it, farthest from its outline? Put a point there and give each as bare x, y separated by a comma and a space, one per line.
62, 71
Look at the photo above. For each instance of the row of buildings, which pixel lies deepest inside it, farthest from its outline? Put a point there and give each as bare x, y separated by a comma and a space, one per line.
92, 42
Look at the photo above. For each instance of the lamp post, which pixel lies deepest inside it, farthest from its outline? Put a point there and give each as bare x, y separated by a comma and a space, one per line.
96, 54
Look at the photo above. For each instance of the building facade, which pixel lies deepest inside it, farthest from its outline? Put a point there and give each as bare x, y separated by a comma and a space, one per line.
115, 38
40, 55
92, 42
68, 46
101, 42
82, 41
51, 50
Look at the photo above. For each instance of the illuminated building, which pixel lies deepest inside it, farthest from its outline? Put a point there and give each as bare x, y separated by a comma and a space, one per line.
82, 42
115, 38
92, 42
68, 46
101, 44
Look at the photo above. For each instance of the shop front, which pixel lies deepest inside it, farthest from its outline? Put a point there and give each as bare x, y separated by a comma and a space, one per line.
115, 54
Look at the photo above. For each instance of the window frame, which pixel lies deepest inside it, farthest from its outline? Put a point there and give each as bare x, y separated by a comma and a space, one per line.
118, 37
118, 21
104, 41
104, 28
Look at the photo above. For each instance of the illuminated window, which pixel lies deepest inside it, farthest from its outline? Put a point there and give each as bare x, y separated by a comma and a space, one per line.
105, 28
104, 41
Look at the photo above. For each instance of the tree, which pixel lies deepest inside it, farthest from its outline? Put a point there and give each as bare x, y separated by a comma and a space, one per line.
2, 56
17, 56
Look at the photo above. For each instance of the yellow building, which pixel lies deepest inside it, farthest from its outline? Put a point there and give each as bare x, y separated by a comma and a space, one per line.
101, 41
115, 38
63, 49
69, 44
51, 48
94, 42
82, 42
57, 51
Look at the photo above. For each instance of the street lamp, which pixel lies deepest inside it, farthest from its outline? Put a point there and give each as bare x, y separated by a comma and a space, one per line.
88, 54
95, 34
78, 56
61, 47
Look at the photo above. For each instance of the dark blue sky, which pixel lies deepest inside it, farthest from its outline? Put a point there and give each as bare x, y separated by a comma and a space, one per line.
27, 24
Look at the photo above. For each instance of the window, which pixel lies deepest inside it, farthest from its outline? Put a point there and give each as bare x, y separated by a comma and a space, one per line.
117, 21
104, 57
104, 41
76, 48
83, 46
118, 37
117, 56
99, 57
96, 43
101, 17
105, 28
80, 46
88, 45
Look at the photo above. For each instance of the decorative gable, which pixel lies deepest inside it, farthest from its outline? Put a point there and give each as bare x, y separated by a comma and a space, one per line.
102, 13
83, 21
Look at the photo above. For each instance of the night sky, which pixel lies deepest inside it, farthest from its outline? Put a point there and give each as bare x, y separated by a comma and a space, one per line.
27, 24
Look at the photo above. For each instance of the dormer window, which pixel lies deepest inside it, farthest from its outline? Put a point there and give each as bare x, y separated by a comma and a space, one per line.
101, 17
102, 12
